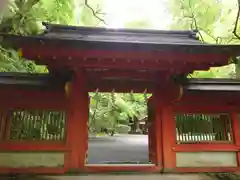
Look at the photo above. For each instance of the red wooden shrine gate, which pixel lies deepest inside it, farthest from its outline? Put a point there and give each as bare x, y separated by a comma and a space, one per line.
122, 60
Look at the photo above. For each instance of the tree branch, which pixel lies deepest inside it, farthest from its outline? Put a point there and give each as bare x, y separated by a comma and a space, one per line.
192, 17
236, 22
194, 24
95, 13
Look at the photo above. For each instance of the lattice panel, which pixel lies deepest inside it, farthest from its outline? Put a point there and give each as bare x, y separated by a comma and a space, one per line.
37, 125
203, 128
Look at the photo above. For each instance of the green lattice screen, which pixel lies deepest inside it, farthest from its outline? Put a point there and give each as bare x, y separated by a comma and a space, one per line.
37, 125
198, 128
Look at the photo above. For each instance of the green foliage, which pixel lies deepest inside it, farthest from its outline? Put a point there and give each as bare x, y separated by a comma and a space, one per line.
204, 15
214, 19
11, 62
25, 17
115, 110
222, 72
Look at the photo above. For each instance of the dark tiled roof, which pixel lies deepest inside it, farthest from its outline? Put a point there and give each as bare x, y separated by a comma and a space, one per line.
121, 35
120, 39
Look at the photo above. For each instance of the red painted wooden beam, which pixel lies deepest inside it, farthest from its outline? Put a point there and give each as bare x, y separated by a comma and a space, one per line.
120, 86
147, 76
68, 54
121, 59
210, 98
32, 99
214, 147
33, 146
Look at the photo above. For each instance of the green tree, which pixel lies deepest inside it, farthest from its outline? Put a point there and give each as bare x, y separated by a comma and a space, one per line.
25, 17
115, 110
215, 21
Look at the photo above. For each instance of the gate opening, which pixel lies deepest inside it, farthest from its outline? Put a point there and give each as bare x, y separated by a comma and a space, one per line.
118, 129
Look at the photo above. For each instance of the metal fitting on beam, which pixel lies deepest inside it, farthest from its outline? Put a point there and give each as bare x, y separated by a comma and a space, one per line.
180, 94
67, 88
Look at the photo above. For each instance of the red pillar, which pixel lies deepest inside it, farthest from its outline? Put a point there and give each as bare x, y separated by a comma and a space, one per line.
236, 133
152, 143
158, 133
77, 122
151, 132
169, 138
165, 127
155, 132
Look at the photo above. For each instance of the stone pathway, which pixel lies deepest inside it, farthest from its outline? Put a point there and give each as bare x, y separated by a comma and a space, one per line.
131, 177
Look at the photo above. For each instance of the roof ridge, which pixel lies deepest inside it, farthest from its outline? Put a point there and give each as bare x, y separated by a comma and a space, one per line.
54, 28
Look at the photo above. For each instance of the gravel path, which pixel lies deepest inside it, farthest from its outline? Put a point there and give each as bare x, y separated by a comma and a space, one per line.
120, 148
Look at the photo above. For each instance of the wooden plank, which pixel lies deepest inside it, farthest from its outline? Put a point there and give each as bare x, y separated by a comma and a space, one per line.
205, 169
236, 133
123, 168
205, 147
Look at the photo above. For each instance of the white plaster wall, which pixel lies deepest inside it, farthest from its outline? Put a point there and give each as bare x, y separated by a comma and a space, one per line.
31, 159
206, 159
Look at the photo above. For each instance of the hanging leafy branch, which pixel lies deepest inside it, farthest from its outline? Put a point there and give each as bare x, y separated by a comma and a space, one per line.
191, 14
24, 17
194, 24
236, 22
96, 12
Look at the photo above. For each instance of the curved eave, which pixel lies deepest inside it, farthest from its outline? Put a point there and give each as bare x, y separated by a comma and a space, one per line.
213, 85
126, 45
26, 80
54, 81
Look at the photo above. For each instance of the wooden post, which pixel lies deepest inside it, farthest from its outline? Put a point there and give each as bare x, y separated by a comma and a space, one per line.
5, 126
151, 132
164, 124
169, 138
152, 144
236, 133
158, 133
77, 123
